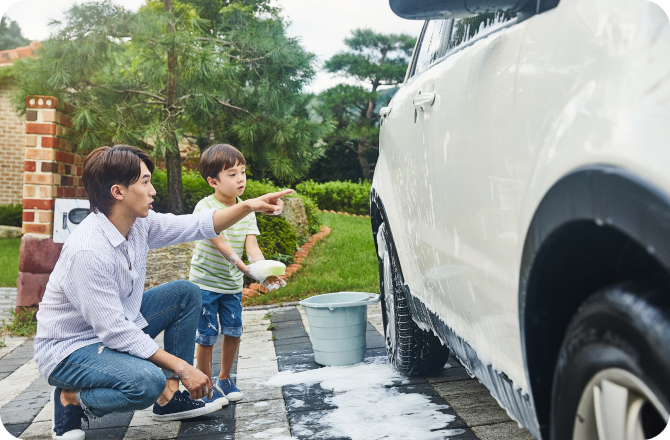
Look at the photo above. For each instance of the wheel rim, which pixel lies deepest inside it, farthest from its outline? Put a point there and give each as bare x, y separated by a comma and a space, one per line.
617, 405
389, 304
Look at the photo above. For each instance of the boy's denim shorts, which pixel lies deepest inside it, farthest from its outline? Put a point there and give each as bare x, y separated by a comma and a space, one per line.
228, 306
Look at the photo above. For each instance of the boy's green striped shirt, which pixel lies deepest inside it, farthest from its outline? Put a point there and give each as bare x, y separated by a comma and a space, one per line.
209, 269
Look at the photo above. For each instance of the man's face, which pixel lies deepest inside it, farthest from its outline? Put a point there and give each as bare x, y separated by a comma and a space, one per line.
139, 196
231, 181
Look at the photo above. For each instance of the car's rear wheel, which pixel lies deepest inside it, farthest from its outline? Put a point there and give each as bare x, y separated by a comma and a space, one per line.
411, 351
611, 380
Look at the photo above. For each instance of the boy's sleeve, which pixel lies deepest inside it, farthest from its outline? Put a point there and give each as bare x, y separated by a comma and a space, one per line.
253, 226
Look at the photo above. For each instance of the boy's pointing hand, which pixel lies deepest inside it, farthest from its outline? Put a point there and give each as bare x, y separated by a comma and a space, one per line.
270, 203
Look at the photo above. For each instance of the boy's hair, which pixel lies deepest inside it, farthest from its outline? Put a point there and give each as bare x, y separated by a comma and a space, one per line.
108, 166
218, 158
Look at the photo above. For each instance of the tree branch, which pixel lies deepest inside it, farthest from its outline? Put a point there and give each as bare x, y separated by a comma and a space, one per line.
137, 92
225, 104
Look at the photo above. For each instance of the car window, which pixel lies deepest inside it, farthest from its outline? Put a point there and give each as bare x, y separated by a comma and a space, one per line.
440, 37
465, 30
431, 48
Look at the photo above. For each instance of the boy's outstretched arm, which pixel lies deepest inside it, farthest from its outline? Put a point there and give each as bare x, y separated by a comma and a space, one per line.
253, 250
229, 254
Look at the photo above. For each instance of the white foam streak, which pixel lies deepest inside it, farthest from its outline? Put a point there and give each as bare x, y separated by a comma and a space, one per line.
366, 408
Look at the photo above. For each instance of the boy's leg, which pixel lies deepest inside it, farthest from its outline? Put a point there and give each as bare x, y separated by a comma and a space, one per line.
203, 354
173, 308
230, 315
230, 346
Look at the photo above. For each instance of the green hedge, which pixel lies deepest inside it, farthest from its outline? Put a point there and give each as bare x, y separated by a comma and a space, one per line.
11, 215
350, 197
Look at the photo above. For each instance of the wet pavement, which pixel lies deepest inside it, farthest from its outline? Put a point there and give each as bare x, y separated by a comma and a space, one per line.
267, 411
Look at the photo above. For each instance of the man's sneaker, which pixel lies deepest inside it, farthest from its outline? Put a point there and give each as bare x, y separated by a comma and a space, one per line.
228, 389
66, 420
218, 398
181, 406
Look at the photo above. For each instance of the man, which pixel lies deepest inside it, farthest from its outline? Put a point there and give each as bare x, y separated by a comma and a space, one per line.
95, 326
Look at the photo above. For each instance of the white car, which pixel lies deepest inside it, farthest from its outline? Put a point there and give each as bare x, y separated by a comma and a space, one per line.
521, 209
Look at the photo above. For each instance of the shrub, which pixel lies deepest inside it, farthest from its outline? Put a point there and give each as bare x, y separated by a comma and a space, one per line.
277, 237
195, 188
350, 197
11, 215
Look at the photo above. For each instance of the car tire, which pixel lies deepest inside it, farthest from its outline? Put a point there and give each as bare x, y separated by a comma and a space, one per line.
411, 350
612, 373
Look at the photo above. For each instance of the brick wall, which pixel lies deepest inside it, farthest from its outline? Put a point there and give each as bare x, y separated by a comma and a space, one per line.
12, 142
51, 169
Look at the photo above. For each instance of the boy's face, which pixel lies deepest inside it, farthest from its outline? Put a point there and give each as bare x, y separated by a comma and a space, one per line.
231, 181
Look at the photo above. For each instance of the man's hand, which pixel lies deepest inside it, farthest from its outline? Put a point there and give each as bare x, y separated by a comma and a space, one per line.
270, 203
196, 382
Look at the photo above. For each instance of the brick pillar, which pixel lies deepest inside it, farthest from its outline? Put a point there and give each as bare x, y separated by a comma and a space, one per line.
51, 170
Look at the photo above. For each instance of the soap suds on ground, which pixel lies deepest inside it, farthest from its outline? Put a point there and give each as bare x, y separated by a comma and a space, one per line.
368, 407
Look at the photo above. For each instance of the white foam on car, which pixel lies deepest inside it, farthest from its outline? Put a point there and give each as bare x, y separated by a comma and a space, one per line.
366, 408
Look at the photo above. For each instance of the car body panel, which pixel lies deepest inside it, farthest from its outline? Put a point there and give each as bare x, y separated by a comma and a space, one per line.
584, 84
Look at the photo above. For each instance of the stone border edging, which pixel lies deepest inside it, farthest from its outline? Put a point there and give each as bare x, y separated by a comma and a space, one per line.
256, 289
271, 306
343, 213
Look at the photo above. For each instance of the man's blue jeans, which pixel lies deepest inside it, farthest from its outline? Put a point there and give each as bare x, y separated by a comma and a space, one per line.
108, 381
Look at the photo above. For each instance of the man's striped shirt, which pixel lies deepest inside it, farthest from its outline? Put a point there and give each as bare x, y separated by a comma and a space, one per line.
209, 269
95, 291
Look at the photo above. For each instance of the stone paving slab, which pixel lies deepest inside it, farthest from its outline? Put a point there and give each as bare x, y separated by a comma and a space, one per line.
266, 411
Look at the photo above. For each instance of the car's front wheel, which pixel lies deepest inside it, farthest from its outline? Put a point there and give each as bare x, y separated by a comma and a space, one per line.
411, 350
611, 380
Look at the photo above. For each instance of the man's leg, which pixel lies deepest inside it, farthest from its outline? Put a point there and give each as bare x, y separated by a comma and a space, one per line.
173, 308
105, 381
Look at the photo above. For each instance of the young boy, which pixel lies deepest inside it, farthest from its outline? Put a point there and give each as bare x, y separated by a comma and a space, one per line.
216, 267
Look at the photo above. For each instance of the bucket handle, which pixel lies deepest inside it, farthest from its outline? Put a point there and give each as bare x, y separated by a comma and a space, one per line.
372, 299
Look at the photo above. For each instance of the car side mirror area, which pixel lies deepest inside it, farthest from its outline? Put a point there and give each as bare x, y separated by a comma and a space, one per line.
445, 9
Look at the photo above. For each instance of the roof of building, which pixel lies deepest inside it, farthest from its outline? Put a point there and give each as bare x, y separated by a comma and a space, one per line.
7, 57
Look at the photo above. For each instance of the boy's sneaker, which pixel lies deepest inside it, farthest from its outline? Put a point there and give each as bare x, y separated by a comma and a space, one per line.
66, 420
228, 389
218, 398
181, 406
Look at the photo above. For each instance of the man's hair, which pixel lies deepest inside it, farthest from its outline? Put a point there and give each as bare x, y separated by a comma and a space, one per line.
108, 166
218, 158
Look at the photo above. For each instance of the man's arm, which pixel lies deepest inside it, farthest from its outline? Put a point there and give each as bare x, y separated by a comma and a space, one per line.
269, 203
169, 229
196, 382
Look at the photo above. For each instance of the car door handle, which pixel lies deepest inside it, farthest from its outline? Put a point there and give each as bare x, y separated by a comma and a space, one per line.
384, 111
424, 100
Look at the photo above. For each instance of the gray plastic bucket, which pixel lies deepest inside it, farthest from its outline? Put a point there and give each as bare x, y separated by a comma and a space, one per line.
337, 323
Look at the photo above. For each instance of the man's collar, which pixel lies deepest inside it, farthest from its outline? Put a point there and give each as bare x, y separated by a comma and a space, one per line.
110, 231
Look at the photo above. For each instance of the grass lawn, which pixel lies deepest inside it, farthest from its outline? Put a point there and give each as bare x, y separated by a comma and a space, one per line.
9, 261
345, 260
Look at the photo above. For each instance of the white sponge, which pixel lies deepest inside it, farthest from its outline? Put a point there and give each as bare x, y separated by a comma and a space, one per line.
266, 268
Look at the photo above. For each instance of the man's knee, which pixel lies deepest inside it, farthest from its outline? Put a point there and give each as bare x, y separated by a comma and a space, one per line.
147, 387
190, 291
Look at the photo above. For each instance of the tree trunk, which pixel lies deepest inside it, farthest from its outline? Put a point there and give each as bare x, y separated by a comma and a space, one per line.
365, 165
172, 157
375, 84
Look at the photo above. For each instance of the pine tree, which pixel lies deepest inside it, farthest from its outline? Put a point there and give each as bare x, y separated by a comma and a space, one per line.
10, 35
152, 77
374, 60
